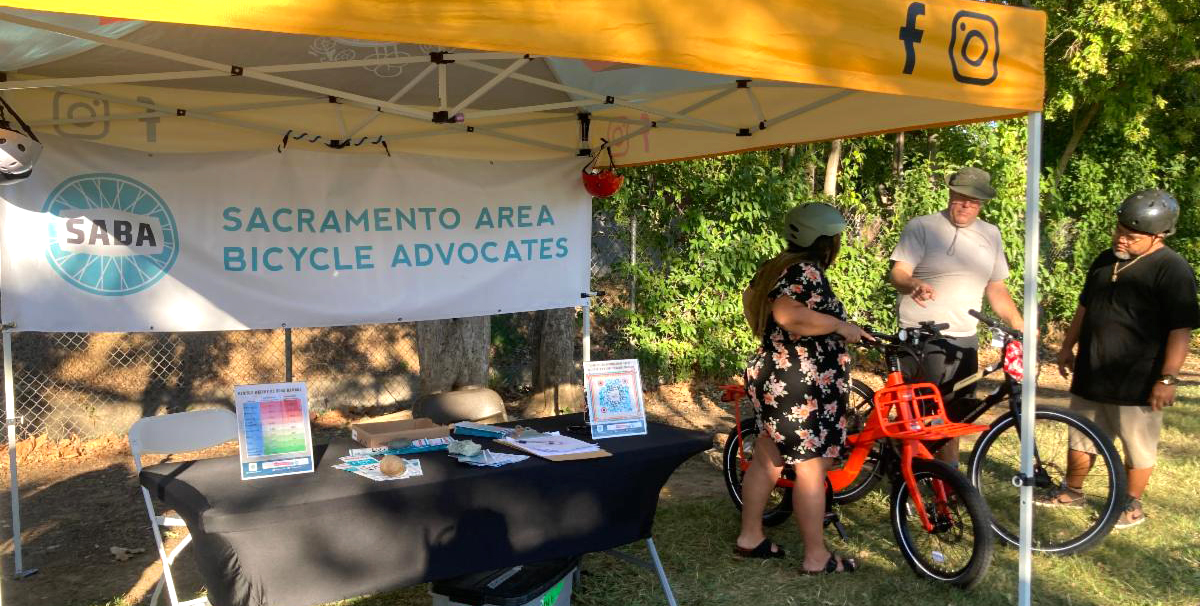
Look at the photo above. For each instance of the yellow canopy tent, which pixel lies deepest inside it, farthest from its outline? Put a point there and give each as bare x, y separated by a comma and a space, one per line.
675, 81
524, 79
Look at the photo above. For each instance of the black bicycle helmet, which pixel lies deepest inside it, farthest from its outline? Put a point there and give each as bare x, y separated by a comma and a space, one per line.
1150, 211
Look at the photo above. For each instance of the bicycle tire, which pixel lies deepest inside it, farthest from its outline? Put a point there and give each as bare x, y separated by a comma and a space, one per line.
779, 504
969, 543
858, 410
995, 460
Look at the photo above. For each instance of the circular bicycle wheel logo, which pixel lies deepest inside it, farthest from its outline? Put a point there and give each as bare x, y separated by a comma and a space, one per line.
109, 235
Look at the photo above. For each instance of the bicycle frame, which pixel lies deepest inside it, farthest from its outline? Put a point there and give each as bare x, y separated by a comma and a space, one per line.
973, 408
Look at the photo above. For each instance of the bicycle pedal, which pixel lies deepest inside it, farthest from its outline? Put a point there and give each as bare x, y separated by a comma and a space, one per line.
836, 521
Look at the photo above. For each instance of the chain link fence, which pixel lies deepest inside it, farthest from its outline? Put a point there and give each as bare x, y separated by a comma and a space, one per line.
89, 384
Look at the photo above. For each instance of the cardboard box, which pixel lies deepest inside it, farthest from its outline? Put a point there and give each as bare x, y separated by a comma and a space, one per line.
379, 433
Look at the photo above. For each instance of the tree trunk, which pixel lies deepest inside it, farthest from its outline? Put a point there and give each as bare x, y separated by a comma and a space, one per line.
898, 159
810, 169
1077, 131
888, 195
831, 167
557, 386
453, 353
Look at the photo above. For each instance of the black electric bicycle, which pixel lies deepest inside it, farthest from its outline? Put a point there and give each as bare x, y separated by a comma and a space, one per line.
994, 464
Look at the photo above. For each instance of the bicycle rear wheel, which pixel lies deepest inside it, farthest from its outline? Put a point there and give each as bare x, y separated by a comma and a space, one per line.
862, 402
959, 549
779, 503
1060, 530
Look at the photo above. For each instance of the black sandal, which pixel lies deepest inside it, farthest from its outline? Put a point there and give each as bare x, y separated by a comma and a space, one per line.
848, 565
763, 550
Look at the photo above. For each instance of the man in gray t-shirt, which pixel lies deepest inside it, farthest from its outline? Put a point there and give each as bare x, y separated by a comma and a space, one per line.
943, 266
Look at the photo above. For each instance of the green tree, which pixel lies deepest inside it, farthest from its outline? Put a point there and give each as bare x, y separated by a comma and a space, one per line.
1122, 114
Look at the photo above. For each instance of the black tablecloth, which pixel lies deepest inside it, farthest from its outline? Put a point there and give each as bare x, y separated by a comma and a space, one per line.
320, 537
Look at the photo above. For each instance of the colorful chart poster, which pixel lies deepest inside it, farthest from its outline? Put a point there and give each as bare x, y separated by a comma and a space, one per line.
614, 398
274, 434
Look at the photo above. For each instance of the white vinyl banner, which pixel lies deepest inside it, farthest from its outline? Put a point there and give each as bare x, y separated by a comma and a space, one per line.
100, 239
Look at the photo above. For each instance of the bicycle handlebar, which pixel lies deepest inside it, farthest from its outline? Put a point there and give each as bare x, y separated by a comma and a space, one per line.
994, 324
880, 338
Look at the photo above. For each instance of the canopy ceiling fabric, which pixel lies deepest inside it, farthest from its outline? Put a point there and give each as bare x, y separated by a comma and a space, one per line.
661, 81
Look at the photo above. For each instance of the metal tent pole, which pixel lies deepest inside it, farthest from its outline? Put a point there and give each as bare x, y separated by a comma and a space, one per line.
662, 574
1029, 383
287, 354
587, 327
10, 418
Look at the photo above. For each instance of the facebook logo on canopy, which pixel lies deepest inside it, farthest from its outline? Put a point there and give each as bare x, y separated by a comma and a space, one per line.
911, 36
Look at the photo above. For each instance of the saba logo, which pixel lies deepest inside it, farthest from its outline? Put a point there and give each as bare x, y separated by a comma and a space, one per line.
109, 234
974, 45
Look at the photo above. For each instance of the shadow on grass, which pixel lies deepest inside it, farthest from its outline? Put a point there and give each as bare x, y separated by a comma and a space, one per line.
67, 529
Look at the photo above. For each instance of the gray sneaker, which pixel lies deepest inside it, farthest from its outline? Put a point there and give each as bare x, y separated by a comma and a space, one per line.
1132, 516
1060, 496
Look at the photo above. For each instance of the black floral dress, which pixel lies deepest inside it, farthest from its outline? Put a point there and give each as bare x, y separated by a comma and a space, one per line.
799, 385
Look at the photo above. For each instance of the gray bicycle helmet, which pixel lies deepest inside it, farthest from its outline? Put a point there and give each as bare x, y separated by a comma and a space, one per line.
1150, 211
807, 222
18, 151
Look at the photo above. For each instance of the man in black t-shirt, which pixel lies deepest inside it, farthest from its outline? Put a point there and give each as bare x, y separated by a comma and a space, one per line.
1133, 324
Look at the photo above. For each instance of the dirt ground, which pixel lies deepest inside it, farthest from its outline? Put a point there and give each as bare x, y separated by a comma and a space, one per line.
81, 500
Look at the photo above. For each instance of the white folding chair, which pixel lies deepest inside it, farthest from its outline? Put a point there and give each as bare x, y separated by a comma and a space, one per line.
170, 434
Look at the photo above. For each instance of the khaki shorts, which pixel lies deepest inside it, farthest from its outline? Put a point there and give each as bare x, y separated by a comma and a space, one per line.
1137, 426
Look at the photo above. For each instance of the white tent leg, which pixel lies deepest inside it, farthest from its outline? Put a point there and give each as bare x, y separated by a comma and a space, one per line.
10, 416
1029, 384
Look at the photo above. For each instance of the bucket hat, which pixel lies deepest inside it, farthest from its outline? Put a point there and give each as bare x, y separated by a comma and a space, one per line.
972, 182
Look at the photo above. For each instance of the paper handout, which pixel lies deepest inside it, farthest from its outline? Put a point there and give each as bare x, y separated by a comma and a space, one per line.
614, 398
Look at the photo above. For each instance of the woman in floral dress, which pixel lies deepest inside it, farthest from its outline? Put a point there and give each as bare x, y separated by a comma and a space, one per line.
799, 382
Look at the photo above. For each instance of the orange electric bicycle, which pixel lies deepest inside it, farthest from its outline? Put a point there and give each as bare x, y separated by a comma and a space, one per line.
940, 521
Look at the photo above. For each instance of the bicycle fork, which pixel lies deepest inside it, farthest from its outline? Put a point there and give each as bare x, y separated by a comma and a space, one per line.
909, 450
1041, 478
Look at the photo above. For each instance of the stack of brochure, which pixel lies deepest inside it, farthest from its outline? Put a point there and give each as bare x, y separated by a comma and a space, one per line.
550, 444
487, 458
368, 467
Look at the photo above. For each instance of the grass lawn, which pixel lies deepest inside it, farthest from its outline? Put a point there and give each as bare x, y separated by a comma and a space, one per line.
1157, 563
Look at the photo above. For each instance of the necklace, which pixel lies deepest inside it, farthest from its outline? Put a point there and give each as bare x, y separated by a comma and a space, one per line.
1116, 270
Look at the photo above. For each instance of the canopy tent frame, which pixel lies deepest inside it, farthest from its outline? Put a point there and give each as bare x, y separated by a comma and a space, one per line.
445, 124
438, 60
212, 73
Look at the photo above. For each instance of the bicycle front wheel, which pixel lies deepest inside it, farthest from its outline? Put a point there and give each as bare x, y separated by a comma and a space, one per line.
959, 548
1060, 529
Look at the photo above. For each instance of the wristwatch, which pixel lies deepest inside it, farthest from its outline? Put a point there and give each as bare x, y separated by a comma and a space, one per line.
1168, 379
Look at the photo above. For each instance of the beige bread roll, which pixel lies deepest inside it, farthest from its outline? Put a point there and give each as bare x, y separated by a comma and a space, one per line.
392, 465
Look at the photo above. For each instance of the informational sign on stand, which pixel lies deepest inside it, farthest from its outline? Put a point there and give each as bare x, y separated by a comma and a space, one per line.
274, 435
614, 398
